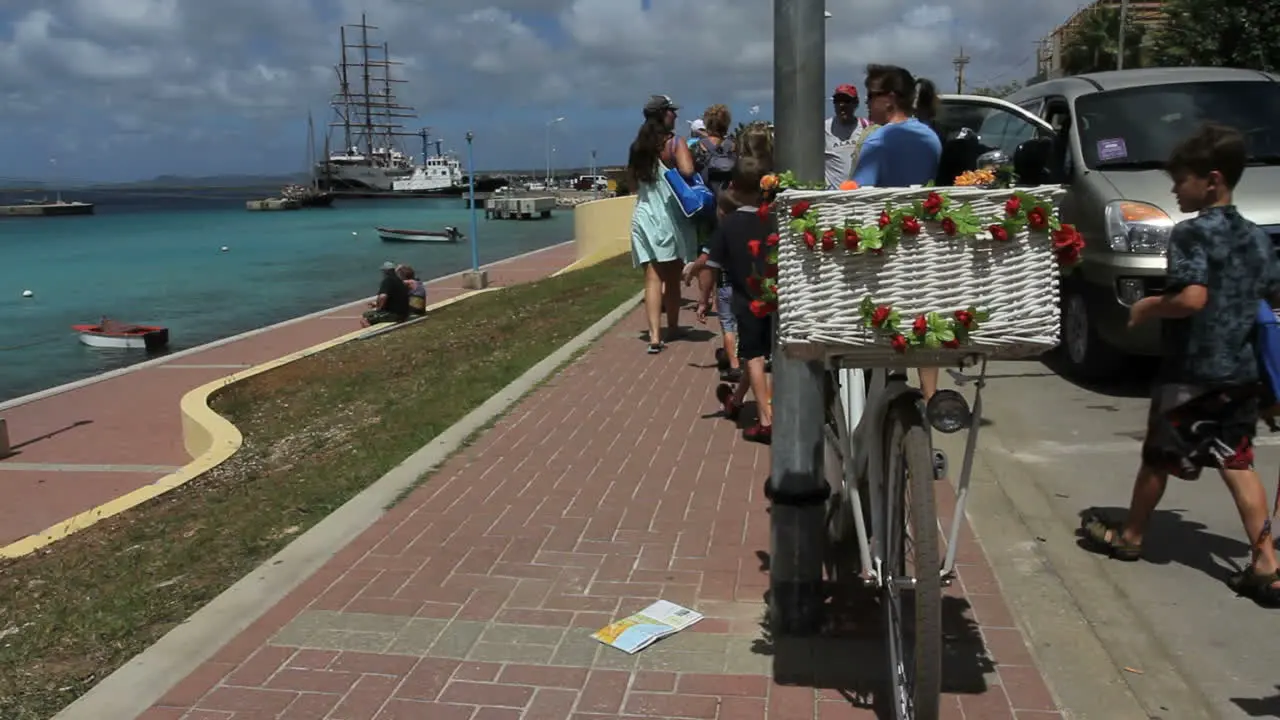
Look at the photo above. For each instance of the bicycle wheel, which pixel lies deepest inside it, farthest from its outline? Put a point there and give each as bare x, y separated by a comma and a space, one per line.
842, 546
912, 594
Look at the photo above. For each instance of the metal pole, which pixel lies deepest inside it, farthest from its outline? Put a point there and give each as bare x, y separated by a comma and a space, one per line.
547, 179
798, 489
471, 181
1124, 17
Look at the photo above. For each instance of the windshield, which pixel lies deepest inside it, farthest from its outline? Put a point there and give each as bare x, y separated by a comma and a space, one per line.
1137, 128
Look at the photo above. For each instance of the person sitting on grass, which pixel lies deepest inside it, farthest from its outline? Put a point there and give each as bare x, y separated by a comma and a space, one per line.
417, 290
392, 303
732, 370
737, 249
1204, 407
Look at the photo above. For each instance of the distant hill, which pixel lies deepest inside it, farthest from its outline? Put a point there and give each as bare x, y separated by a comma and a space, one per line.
207, 181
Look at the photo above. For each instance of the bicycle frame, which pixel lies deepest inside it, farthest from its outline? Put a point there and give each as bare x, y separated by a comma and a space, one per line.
863, 458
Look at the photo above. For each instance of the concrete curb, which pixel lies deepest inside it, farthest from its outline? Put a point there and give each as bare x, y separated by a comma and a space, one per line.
84, 382
140, 683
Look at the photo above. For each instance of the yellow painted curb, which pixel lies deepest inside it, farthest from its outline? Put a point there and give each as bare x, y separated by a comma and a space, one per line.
208, 437
586, 262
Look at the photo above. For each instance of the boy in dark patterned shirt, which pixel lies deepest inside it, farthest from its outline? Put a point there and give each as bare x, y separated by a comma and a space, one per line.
1204, 409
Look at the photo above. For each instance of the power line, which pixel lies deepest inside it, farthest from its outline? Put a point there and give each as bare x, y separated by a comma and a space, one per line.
960, 61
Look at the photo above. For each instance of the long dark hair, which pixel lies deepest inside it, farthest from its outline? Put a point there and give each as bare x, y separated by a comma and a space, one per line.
642, 162
917, 97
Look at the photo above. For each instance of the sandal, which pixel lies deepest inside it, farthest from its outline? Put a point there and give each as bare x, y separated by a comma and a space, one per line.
655, 348
1107, 537
1258, 587
724, 393
762, 434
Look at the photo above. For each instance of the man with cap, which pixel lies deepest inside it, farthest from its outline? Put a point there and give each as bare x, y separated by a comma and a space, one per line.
392, 303
697, 131
844, 133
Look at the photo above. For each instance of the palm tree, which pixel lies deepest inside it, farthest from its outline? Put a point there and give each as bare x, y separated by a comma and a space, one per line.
1092, 45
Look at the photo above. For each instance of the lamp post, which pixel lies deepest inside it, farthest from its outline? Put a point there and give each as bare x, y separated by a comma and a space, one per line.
476, 279
595, 185
549, 124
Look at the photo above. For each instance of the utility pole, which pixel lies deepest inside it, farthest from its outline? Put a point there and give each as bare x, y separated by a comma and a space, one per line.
959, 62
797, 486
1124, 19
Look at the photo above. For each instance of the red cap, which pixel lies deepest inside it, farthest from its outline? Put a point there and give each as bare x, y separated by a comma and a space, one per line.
846, 89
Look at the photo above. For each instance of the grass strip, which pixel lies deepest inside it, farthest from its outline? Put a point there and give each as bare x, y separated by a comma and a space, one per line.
316, 432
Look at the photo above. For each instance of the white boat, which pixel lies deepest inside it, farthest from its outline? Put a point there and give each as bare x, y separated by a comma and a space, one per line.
448, 235
439, 174
112, 334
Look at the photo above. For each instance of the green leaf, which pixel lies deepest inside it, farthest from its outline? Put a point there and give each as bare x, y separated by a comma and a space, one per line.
946, 334
931, 341
872, 238
981, 315
929, 184
799, 225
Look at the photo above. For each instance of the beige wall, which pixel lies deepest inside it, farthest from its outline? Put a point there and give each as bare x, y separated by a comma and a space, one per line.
602, 229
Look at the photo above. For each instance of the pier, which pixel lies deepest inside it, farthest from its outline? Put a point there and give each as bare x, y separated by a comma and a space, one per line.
272, 204
519, 208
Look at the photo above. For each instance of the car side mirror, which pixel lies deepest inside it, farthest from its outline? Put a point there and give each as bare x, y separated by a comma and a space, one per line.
1032, 159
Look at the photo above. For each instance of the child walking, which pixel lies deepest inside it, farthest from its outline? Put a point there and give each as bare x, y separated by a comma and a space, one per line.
737, 249
731, 370
1204, 408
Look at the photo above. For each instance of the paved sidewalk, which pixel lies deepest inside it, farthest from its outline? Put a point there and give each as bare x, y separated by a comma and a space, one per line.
613, 485
81, 448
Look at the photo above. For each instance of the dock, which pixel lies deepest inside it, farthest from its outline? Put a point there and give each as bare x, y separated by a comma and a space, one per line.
49, 209
272, 204
519, 207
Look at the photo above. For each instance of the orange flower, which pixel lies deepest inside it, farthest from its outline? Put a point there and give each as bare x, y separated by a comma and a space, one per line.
768, 182
848, 185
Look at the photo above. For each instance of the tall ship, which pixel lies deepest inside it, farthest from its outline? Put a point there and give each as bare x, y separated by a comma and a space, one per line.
368, 118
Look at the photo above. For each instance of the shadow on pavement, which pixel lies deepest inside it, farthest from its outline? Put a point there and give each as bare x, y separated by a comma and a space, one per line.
1171, 538
1260, 707
1130, 380
849, 656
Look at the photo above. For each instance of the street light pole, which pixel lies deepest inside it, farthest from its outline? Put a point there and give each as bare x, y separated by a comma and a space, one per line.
1124, 18
478, 280
797, 487
549, 124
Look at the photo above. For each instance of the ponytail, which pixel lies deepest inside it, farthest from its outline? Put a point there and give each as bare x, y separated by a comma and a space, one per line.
926, 107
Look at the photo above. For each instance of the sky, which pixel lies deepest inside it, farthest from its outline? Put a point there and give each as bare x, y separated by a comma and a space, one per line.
119, 90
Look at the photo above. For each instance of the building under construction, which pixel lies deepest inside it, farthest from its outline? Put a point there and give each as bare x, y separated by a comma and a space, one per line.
1049, 61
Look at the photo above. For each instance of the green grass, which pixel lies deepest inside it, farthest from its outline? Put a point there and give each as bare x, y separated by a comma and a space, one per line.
316, 433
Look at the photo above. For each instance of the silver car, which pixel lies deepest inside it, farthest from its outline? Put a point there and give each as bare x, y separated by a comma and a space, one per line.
1108, 136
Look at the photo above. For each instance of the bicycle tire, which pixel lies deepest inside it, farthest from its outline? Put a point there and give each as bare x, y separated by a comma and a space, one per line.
842, 563
909, 474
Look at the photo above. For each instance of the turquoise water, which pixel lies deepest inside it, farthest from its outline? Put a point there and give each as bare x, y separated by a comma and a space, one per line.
160, 261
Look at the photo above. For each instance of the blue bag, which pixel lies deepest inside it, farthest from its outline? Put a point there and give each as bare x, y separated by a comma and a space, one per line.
694, 197
1267, 346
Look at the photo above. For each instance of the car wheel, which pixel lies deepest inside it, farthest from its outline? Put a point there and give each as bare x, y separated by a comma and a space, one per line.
1088, 356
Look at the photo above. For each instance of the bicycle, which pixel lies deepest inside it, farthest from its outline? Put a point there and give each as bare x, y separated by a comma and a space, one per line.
884, 469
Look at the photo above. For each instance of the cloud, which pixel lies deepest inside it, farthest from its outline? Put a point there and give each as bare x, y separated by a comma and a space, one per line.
166, 78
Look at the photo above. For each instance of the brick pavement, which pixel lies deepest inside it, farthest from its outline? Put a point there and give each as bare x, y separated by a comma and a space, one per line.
612, 485
81, 448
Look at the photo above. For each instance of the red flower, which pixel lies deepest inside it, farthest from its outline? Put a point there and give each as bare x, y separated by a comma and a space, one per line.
885, 219
951, 344
810, 239
1067, 236
759, 308
829, 240
965, 318
1037, 219
1069, 255
920, 326
932, 204
880, 316
1012, 206
998, 233
762, 210
771, 270
772, 240
799, 209
753, 247
949, 226
753, 284
910, 225
851, 239
898, 343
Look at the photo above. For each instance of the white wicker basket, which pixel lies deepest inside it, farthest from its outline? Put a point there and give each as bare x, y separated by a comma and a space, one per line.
821, 293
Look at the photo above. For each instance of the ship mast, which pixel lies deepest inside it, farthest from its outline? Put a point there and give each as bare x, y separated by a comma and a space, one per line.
374, 112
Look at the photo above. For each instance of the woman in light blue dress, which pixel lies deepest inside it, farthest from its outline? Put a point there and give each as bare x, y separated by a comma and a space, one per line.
662, 238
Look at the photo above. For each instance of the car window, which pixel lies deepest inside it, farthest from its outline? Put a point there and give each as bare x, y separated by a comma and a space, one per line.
1005, 131
1139, 127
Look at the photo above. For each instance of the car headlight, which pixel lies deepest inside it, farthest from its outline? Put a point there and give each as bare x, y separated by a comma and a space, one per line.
1137, 227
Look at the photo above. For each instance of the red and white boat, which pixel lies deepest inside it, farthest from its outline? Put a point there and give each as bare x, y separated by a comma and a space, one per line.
111, 334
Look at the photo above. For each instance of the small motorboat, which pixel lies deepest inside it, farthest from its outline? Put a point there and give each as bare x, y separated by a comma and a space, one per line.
111, 334
447, 235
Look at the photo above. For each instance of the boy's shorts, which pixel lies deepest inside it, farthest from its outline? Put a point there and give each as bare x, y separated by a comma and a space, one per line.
1190, 428
755, 336
724, 309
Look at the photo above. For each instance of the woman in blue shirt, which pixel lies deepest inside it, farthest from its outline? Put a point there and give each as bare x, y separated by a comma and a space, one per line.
905, 150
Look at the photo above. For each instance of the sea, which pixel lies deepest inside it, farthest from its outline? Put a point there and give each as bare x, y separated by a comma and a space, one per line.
157, 256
